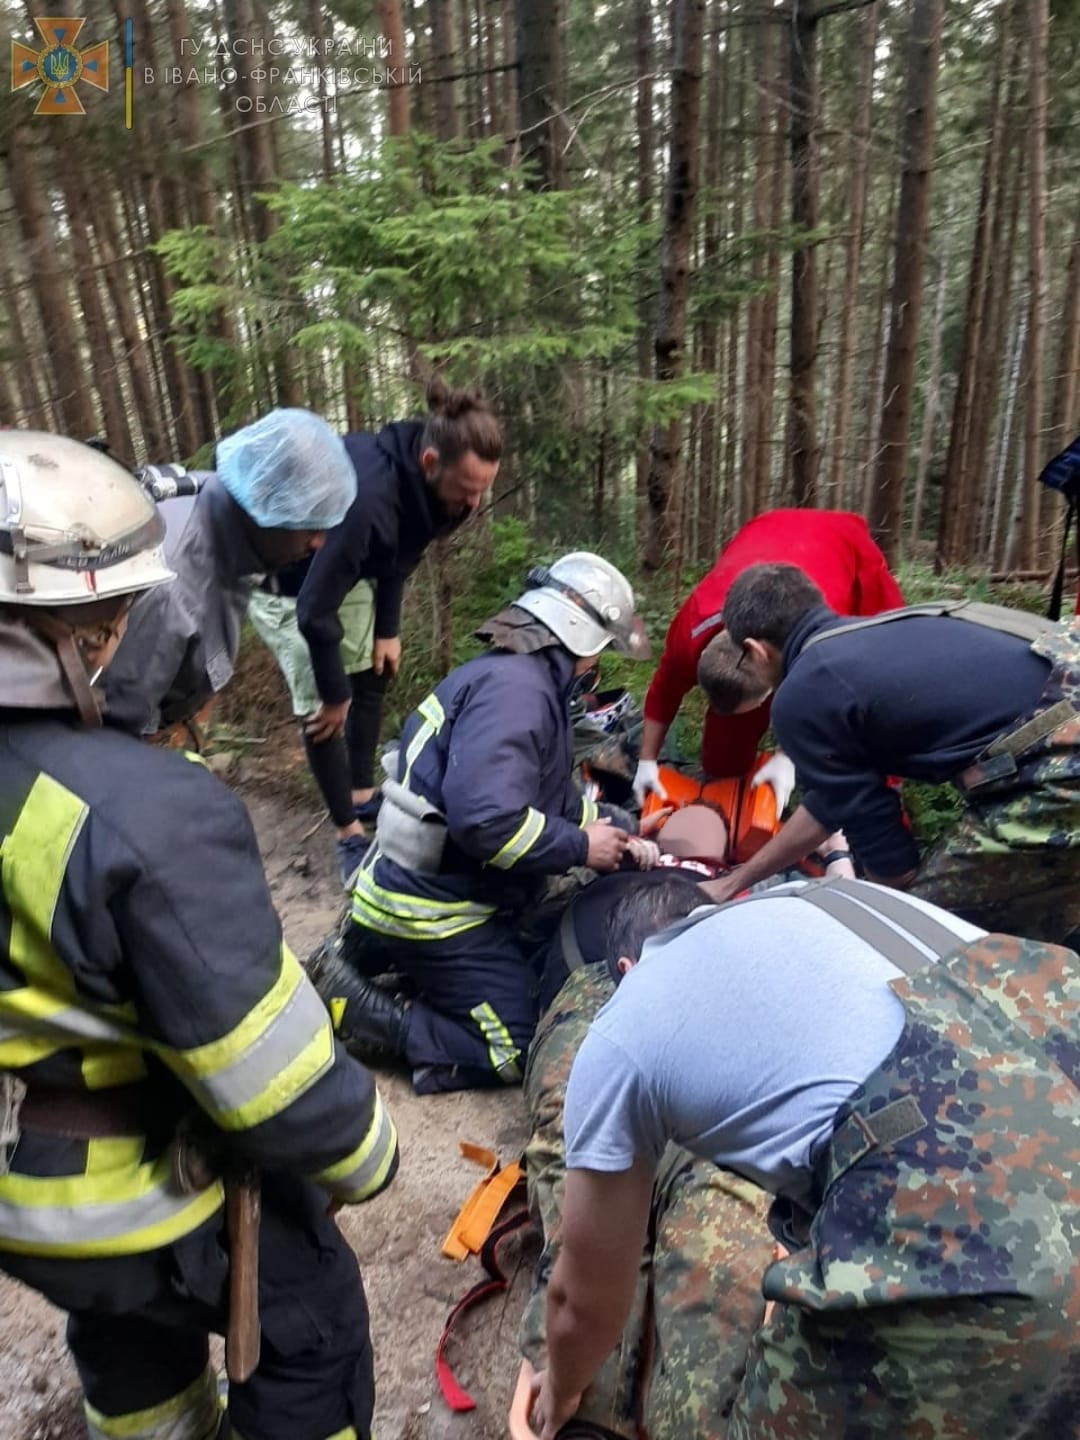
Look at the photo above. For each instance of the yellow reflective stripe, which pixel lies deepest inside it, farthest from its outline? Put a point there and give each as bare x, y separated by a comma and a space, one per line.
28, 1050
113, 1153
216, 1054
348, 1433
294, 1080
502, 1051
121, 1211
196, 758
101, 1069
522, 841
420, 905
434, 719
193, 1414
590, 812
363, 1172
33, 860
412, 917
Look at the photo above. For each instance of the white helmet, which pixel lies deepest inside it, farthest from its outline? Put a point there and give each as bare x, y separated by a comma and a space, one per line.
587, 604
75, 526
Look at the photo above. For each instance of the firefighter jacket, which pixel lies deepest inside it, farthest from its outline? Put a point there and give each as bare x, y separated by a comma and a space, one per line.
490, 748
182, 639
139, 950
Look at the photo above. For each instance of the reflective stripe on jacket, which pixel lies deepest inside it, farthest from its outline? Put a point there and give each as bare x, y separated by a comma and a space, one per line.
139, 945
490, 749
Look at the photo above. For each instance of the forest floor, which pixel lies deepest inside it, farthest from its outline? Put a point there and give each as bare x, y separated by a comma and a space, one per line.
397, 1237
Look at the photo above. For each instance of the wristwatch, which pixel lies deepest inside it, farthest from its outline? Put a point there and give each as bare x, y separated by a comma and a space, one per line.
835, 855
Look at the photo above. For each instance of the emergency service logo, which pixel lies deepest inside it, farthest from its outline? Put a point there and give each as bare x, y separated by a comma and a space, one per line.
60, 65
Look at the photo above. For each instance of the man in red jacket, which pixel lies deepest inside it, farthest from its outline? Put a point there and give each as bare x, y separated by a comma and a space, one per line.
835, 550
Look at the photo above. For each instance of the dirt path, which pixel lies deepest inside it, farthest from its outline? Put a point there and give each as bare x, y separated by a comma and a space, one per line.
410, 1287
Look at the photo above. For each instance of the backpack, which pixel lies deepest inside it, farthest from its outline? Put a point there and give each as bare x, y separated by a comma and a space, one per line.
1063, 475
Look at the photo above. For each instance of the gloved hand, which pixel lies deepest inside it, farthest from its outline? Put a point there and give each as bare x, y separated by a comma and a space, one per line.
647, 780
779, 772
644, 853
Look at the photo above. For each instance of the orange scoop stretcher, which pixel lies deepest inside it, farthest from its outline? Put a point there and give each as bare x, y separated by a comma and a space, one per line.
750, 815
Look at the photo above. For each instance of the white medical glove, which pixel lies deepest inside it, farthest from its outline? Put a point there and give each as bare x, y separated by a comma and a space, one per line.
646, 780
779, 772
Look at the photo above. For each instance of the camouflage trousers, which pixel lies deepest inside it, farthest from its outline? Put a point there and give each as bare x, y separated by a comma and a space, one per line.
939, 1292
679, 1363
1013, 862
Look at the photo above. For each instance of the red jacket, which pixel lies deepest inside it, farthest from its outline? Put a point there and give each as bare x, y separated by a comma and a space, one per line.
831, 546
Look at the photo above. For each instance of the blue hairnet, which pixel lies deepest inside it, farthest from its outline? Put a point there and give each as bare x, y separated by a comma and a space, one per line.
289, 471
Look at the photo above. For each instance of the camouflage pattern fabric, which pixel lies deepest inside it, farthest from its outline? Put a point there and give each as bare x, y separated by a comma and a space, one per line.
1013, 862
698, 1300
939, 1294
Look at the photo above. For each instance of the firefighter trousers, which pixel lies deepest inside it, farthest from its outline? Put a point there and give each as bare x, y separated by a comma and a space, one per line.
139, 1326
475, 1010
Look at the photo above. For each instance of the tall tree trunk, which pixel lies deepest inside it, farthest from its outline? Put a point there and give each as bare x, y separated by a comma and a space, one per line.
804, 205
59, 327
487, 34
710, 329
765, 471
1067, 376
1004, 448
737, 150
511, 117
102, 354
1034, 444
447, 119
32, 402
541, 88
932, 401
958, 480
923, 52
688, 19
988, 398
393, 30
862, 483
843, 461
749, 499
645, 164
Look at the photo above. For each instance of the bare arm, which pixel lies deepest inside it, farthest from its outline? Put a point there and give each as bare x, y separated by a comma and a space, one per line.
604, 1225
653, 735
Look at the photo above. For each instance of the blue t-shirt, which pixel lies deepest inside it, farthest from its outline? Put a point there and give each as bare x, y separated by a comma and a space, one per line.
738, 1036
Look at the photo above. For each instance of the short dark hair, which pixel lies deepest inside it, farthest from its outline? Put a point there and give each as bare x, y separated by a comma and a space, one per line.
460, 421
727, 683
766, 602
645, 909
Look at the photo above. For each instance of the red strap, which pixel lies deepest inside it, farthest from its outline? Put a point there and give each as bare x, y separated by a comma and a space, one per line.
456, 1398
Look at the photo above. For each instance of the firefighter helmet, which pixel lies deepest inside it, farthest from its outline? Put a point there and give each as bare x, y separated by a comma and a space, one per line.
587, 604
75, 526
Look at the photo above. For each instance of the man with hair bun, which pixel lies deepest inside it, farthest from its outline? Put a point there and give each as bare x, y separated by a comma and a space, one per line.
332, 621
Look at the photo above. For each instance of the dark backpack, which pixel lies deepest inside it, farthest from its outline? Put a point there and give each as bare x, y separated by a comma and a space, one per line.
1063, 475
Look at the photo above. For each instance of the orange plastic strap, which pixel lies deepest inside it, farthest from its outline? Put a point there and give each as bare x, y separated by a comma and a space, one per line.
473, 1222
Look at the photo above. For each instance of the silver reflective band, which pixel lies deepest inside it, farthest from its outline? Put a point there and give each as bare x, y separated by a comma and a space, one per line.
410, 832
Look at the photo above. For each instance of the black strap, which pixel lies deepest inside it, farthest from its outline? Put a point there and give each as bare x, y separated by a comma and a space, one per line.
573, 958
1000, 618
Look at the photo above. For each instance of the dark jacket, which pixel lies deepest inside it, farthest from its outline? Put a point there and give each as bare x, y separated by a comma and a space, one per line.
142, 942
389, 525
493, 754
919, 698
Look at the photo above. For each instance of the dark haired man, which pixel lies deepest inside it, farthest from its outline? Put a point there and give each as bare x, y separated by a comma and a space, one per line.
980, 696
675, 1366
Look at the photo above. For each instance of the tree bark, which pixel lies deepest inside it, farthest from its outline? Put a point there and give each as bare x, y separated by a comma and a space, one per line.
32, 402
393, 30
1067, 376
804, 217
102, 354
645, 164
749, 498
842, 461
923, 52
959, 479
737, 150
766, 472
541, 88
444, 54
59, 326
1034, 443
932, 400
688, 18
708, 472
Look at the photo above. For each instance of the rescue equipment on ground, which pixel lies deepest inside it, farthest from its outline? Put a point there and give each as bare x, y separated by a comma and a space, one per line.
750, 814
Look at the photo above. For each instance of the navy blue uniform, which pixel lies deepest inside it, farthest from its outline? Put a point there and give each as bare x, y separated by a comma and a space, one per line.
392, 521
490, 748
920, 698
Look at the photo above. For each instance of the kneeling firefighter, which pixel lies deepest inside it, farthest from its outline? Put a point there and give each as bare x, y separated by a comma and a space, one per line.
167, 1039
484, 809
